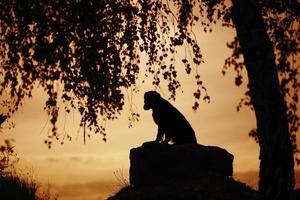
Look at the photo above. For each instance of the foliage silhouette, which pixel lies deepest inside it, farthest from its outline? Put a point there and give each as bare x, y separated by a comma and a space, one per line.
87, 53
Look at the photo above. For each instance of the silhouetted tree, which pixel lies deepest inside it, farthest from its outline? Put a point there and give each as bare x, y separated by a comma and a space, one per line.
268, 40
92, 48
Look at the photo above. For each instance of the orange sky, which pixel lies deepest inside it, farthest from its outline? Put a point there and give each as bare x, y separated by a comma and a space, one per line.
216, 123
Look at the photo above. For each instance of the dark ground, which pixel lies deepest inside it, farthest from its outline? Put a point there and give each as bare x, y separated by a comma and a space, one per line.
210, 187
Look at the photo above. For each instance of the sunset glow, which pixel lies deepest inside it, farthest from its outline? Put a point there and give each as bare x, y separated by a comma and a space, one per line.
93, 170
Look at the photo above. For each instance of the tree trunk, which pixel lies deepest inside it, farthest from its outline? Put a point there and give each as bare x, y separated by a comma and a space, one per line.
276, 156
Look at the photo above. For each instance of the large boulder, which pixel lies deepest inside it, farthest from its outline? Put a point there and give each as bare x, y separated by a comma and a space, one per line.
153, 163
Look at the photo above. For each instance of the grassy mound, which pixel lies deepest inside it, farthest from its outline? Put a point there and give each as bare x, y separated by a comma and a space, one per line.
210, 187
14, 187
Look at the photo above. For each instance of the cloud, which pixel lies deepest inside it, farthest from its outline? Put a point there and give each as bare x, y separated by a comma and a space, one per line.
53, 159
66, 158
56, 159
75, 159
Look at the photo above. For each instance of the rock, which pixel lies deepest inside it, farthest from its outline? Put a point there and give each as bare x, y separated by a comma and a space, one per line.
153, 163
182, 172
